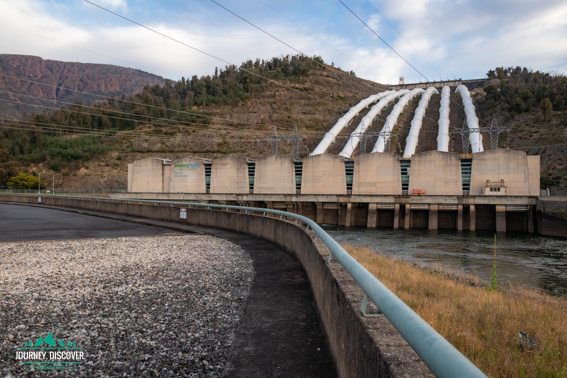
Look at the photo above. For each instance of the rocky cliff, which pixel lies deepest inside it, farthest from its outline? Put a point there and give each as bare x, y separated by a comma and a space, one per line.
60, 80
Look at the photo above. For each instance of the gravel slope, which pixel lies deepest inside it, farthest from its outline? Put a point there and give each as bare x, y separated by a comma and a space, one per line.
144, 306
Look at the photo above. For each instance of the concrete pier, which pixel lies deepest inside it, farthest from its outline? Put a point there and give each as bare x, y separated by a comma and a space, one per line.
433, 217
515, 213
372, 216
500, 218
472, 214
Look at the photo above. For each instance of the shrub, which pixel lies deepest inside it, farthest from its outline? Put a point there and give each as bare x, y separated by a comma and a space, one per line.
23, 181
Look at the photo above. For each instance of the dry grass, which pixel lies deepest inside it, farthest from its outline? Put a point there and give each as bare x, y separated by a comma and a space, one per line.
482, 324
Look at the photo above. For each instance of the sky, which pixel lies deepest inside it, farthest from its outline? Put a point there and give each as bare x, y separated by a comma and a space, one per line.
440, 38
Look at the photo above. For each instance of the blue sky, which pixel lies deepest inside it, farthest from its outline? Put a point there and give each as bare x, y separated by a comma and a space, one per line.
441, 38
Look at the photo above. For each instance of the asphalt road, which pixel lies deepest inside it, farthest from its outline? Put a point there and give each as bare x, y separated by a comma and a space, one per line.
280, 333
27, 223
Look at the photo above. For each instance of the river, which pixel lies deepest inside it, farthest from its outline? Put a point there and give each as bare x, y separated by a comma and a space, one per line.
521, 259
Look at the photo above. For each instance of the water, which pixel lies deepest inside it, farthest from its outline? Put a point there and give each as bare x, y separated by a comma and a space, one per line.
521, 259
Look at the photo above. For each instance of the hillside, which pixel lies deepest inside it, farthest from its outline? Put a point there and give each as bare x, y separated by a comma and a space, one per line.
234, 112
61, 78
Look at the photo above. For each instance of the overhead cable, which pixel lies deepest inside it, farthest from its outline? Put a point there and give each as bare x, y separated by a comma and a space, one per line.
201, 51
386, 43
400, 34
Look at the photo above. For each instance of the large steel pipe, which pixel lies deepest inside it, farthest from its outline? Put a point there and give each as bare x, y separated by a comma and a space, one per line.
443, 138
413, 136
356, 135
344, 121
393, 118
472, 120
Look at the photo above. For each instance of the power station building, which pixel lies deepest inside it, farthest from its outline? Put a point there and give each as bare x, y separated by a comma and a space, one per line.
493, 189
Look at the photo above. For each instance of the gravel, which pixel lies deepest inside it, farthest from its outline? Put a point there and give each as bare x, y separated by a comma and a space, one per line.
138, 306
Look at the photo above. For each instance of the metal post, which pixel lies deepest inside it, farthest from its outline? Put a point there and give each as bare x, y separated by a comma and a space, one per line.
39, 184
274, 141
53, 192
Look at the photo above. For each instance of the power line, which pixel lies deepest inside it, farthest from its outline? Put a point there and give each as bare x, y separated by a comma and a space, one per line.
135, 103
313, 59
90, 114
50, 127
189, 123
307, 31
282, 42
201, 51
386, 43
173, 122
400, 34
263, 31
80, 48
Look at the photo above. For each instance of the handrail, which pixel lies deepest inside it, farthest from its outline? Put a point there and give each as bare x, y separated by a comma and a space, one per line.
442, 358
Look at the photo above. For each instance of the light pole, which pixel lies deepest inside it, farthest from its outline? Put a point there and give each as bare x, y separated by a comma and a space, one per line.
39, 184
54, 182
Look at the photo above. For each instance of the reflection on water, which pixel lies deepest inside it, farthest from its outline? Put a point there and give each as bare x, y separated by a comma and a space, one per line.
521, 259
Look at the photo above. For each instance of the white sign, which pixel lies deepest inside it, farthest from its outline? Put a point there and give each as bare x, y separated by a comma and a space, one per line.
183, 213
38, 199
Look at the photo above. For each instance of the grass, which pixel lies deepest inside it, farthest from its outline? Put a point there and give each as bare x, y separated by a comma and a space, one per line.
482, 324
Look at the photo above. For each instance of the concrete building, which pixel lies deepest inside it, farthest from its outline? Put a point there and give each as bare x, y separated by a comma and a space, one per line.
324, 174
517, 172
376, 174
274, 175
229, 175
431, 190
187, 175
436, 173
148, 176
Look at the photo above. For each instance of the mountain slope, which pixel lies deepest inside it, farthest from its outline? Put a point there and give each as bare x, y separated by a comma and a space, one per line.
102, 79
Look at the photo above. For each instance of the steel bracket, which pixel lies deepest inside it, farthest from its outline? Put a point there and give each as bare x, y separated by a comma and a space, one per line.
363, 306
330, 260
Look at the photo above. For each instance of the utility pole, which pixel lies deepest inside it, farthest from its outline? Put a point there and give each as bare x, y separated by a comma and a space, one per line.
39, 184
54, 182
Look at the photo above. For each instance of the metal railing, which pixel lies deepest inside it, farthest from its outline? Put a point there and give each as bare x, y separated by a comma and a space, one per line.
61, 191
444, 360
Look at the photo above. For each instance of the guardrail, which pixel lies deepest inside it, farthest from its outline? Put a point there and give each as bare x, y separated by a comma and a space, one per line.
444, 360
61, 191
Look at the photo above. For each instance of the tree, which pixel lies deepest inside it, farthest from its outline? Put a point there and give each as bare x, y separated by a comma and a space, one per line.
23, 181
546, 108
8, 167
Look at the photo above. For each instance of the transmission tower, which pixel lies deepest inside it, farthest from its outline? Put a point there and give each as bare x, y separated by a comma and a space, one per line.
387, 135
495, 132
274, 141
295, 139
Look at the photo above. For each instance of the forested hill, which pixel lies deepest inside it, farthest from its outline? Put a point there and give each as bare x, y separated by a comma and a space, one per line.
100, 79
235, 110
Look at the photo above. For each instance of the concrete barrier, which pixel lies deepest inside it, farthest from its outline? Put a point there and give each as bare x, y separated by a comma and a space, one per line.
361, 347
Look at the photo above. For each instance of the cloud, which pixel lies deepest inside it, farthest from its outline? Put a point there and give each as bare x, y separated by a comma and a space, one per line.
113, 4
466, 39
446, 38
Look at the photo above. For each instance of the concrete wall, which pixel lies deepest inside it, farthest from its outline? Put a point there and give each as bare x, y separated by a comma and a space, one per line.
509, 165
534, 175
274, 175
130, 176
470, 84
439, 173
147, 175
361, 347
229, 175
187, 175
377, 174
323, 174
